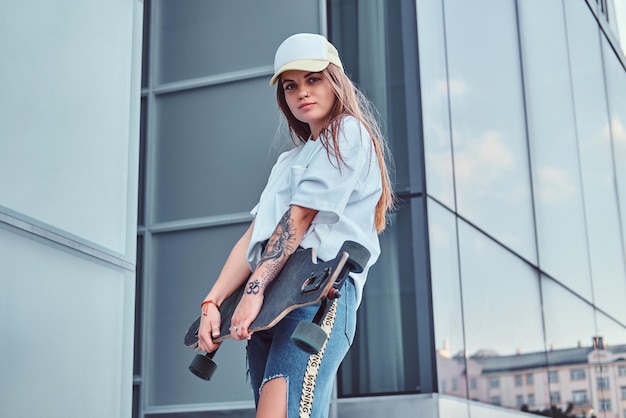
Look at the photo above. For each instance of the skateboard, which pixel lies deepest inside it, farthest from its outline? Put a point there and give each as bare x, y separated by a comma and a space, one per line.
304, 280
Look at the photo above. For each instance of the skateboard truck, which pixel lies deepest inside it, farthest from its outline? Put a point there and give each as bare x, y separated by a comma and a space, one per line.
309, 336
315, 281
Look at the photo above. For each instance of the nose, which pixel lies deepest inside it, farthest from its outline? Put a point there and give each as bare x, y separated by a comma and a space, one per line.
303, 92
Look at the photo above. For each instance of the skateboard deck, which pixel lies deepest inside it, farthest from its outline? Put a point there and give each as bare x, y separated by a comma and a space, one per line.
303, 281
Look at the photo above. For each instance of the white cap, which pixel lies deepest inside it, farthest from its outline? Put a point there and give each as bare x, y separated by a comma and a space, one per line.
305, 52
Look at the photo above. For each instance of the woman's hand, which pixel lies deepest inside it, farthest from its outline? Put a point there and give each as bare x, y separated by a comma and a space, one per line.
245, 313
209, 329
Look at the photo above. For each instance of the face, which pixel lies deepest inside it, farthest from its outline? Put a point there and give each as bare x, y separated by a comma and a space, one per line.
309, 97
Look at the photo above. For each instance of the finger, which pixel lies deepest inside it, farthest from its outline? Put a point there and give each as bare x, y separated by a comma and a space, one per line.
234, 332
216, 331
244, 332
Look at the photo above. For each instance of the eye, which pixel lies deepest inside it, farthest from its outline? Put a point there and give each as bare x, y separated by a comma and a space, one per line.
289, 86
313, 79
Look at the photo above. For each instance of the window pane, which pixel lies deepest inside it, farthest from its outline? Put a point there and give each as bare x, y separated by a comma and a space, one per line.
145, 51
205, 37
569, 327
596, 161
383, 357
141, 186
369, 37
435, 106
615, 86
186, 264
446, 288
138, 307
488, 128
552, 134
209, 162
503, 324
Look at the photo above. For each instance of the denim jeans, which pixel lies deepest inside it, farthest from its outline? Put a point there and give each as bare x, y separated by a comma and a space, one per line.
310, 377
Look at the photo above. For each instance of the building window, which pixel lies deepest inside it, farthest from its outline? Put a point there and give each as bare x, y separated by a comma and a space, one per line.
555, 398
518, 380
579, 397
531, 399
473, 383
495, 400
455, 384
494, 382
623, 392
603, 383
530, 379
553, 376
577, 374
621, 370
604, 404
519, 400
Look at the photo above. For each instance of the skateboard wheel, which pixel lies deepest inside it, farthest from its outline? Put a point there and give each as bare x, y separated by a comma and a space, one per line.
309, 337
203, 367
358, 255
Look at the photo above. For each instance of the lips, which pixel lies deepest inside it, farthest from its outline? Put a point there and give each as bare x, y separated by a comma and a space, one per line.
305, 105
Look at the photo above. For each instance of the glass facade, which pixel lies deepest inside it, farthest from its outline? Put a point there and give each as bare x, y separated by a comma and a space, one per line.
524, 178
502, 278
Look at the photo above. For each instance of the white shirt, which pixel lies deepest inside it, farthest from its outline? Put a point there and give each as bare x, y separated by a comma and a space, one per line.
344, 197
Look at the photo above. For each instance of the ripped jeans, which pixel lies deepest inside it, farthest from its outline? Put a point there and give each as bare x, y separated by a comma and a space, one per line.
310, 378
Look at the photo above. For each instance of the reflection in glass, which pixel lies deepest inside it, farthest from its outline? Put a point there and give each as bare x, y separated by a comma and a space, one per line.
435, 106
609, 356
447, 304
503, 324
570, 331
596, 161
590, 362
369, 37
488, 128
383, 357
616, 86
552, 135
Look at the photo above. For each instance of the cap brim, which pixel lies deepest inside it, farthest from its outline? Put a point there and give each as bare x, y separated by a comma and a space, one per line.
302, 65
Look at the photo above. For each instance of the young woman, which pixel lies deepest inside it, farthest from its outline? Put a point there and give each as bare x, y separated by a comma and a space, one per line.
331, 187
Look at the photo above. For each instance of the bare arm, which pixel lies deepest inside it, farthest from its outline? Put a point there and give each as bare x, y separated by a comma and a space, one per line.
284, 241
234, 273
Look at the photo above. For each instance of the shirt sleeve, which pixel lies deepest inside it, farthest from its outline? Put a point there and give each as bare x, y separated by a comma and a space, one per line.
325, 185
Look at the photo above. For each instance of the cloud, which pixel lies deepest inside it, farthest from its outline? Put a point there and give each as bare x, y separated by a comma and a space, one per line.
481, 162
451, 87
554, 185
618, 131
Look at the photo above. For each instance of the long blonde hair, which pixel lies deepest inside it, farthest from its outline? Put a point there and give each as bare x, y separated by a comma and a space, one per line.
350, 101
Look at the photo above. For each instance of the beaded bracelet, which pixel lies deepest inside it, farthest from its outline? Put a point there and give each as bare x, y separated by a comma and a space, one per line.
206, 302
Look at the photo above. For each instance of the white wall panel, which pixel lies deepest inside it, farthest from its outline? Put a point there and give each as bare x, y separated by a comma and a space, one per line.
66, 347
67, 114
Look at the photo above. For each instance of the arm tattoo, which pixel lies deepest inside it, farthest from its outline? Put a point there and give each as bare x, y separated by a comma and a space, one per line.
282, 239
253, 287
279, 247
